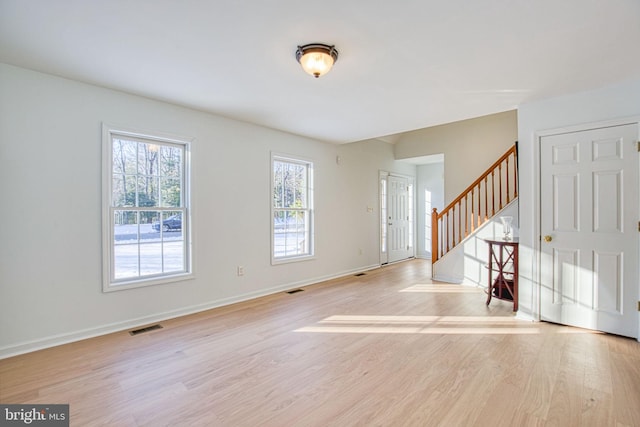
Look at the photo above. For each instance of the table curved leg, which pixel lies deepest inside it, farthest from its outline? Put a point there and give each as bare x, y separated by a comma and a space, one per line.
489, 294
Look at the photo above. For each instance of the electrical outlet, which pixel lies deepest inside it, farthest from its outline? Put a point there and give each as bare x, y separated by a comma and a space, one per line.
240, 270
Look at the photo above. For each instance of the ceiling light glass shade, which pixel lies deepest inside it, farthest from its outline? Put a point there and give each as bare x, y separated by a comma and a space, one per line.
317, 59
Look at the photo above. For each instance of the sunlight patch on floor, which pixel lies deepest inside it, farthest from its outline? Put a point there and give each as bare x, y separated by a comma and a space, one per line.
457, 289
371, 320
444, 325
417, 330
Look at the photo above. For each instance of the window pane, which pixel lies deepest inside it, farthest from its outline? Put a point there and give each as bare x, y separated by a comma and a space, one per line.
173, 256
150, 258
148, 159
126, 222
124, 190
173, 242
170, 162
172, 225
124, 156
125, 261
292, 186
299, 186
301, 233
149, 229
170, 194
278, 220
126, 237
148, 191
278, 234
278, 184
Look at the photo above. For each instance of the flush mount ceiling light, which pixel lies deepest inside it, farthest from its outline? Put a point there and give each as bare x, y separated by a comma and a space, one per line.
317, 58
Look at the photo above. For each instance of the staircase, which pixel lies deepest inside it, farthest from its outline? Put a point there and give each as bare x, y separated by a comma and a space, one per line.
489, 194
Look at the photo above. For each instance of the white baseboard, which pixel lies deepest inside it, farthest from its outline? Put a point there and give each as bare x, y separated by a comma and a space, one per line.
82, 334
522, 316
448, 279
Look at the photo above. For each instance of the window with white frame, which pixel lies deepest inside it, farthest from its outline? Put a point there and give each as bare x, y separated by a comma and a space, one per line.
291, 209
146, 209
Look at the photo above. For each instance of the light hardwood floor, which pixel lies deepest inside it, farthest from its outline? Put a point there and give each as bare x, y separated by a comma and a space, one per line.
385, 349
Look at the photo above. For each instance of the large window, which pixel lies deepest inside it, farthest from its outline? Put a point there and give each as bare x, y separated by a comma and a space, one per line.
146, 217
291, 209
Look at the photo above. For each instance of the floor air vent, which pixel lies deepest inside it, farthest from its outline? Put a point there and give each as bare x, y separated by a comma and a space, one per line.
359, 274
295, 291
146, 329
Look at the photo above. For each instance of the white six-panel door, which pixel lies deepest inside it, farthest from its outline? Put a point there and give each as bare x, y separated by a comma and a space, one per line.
589, 229
398, 218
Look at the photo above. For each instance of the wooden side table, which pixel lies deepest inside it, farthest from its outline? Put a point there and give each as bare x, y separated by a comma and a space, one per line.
503, 263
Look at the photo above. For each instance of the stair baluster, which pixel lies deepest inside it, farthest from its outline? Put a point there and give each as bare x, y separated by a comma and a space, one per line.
444, 236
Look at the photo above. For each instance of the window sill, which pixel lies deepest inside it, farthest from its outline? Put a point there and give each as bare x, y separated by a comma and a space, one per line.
289, 260
141, 283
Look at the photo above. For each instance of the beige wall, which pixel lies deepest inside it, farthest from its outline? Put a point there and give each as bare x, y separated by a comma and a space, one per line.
469, 147
50, 181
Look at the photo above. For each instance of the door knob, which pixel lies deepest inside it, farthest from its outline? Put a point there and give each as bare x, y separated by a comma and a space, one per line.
548, 238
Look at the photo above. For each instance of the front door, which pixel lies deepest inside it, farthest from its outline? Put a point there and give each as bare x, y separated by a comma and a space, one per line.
589, 229
398, 219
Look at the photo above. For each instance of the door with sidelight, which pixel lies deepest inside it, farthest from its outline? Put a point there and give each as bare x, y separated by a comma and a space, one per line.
399, 219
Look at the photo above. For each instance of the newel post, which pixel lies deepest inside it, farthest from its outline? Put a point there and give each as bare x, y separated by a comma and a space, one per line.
434, 235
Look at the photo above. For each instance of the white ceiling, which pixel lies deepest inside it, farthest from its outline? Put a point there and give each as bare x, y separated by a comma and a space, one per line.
403, 65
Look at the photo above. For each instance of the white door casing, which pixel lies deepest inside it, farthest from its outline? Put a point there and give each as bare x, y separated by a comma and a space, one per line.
588, 224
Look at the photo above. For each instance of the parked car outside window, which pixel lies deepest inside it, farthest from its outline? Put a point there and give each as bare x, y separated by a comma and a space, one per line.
172, 223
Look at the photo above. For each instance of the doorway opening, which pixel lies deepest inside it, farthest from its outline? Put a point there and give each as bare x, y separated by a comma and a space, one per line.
397, 217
